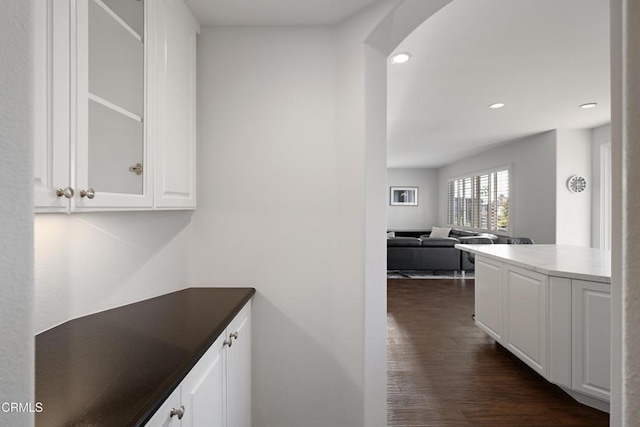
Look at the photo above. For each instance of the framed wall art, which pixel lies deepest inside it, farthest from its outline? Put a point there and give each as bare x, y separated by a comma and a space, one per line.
404, 196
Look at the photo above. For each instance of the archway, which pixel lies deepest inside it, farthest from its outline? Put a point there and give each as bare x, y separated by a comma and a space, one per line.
387, 35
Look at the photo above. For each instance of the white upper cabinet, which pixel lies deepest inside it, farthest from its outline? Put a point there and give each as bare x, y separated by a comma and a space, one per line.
175, 140
101, 81
52, 133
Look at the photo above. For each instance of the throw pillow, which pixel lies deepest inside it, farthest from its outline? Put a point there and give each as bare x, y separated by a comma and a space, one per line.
439, 232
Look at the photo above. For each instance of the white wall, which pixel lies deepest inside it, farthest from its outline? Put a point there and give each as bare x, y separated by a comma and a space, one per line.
16, 201
282, 201
85, 263
420, 217
573, 210
533, 183
268, 217
600, 136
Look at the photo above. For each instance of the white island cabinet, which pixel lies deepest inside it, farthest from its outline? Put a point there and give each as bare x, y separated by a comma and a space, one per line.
525, 314
217, 391
488, 297
550, 305
592, 338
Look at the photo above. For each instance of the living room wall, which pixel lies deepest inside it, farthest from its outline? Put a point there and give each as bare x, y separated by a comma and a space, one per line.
533, 181
573, 210
600, 137
543, 208
420, 217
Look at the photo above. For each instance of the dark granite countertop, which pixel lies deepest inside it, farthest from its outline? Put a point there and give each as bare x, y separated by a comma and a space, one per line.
116, 368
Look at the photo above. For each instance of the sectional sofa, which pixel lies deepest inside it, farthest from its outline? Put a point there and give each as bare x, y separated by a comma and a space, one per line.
415, 250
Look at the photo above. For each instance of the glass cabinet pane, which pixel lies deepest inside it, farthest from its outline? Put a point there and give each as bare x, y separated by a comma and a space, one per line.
116, 59
115, 145
130, 11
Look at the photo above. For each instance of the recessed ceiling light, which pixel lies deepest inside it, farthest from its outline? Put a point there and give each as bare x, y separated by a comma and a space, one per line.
589, 105
400, 58
497, 105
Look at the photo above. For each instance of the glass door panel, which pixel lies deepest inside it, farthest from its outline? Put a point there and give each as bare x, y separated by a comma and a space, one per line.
116, 60
115, 146
130, 11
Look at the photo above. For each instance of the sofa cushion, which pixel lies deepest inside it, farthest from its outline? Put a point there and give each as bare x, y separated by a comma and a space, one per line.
403, 242
476, 240
486, 236
455, 232
439, 232
440, 242
489, 236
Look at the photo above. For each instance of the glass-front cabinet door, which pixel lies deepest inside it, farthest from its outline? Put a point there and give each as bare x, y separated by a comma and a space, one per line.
111, 108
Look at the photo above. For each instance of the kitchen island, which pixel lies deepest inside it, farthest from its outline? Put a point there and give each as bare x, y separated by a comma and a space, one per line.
118, 367
550, 305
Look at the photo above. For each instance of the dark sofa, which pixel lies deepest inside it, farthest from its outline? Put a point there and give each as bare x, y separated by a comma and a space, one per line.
415, 250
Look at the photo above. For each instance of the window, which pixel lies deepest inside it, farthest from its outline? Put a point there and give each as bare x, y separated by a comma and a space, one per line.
480, 201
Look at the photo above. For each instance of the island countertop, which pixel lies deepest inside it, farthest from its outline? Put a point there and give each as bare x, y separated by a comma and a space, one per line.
116, 367
573, 262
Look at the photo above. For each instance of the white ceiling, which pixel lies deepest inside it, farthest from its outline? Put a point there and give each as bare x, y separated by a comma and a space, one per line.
274, 12
542, 58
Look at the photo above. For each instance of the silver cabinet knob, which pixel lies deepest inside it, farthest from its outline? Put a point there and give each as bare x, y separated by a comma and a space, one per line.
229, 342
66, 192
179, 412
89, 193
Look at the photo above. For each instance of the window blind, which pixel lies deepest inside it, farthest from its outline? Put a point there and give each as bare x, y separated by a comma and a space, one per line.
480, 201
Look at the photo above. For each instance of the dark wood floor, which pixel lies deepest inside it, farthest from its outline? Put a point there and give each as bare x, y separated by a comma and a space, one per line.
443, 371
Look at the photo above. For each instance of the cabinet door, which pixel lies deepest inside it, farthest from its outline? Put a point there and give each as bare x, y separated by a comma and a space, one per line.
525, 310
51, 104
175, 130
488, 296
239, 370
163, 417
203, 390
592, 338
109, 148
559, 371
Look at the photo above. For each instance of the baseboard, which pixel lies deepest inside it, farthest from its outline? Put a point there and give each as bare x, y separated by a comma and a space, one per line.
593, 402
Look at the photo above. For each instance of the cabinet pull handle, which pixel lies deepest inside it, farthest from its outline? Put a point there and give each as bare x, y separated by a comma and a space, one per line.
89, 193
179, 412
66, 192
229, 342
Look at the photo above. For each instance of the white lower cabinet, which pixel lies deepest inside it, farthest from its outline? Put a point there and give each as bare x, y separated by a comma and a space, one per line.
217, 391
591, 339
560, 327
166, 416
239, 372
525, 312
488, 298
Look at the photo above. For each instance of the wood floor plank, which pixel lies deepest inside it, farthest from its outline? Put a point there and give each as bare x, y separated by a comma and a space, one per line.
444, 371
